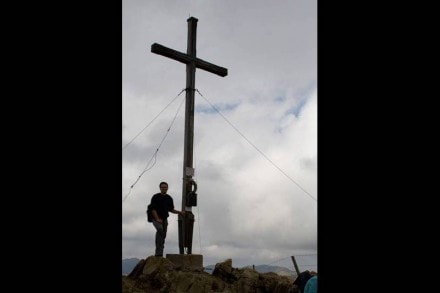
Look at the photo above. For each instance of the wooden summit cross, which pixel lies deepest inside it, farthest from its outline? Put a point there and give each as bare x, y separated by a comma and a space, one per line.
189, 198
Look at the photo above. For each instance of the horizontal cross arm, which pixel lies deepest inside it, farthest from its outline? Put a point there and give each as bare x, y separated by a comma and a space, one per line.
211, 67
173, 54
185, 58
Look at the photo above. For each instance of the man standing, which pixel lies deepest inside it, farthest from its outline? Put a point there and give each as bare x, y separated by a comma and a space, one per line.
161, 204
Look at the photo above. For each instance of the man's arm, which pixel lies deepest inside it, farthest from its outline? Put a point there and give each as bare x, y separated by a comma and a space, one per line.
156, 216
178, 212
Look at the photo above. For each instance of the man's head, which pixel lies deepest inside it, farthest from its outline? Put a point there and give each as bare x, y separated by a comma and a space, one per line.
163, 187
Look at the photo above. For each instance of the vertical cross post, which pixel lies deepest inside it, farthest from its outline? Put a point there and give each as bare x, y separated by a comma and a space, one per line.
186, 223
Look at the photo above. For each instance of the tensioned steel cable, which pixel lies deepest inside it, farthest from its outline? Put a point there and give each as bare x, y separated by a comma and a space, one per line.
155, 153
126, 145
255, 147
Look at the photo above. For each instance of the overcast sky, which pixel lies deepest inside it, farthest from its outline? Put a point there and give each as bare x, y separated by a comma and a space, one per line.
255, 166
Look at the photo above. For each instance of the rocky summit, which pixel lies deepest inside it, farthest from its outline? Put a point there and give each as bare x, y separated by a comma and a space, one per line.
157, 274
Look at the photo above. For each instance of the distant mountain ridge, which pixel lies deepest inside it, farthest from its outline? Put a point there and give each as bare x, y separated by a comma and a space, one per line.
275, 269
129, 264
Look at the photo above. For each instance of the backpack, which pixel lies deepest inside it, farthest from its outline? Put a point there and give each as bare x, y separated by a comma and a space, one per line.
149, 214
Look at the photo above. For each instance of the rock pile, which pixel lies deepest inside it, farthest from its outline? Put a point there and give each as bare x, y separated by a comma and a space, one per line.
155, 274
